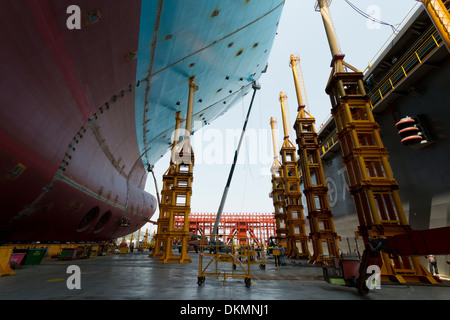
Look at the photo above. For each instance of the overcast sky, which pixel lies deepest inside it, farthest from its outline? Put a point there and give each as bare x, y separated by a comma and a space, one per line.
300, 32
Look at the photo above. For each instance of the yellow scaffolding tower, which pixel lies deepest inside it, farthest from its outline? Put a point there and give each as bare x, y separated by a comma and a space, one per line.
440, 16
176, 195
323, 235
278, 190
164, 214
372, 185
297, 240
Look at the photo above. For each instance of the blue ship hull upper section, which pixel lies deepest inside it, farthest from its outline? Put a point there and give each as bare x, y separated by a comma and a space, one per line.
224, 45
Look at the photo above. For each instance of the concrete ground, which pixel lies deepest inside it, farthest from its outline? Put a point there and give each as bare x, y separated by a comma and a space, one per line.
134, 276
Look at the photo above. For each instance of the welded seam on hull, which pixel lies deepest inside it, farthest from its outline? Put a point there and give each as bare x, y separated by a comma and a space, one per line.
91, 123
225, 98
138, 161
63, 178
60, 177
152, 58
27, 210
105, 148
146, 102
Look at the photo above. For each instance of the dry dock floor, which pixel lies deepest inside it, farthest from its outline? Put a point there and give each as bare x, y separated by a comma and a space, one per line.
135, 276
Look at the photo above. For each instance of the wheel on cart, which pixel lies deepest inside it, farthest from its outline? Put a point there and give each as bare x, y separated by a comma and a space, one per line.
262, 266
248, 282
200, 281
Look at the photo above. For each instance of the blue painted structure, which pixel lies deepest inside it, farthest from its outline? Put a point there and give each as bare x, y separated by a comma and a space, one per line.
225, 45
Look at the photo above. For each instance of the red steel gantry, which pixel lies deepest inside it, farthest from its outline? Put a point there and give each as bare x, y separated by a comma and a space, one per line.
258, 227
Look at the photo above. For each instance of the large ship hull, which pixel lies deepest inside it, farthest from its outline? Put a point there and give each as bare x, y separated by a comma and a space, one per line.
85, 112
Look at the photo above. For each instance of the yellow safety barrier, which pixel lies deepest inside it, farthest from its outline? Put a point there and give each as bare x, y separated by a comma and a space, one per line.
5, 269
329, 143
84, 251
54, 250
276, 254
94, 252
107, 249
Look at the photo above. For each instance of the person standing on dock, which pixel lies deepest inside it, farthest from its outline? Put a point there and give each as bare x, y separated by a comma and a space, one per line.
433, 264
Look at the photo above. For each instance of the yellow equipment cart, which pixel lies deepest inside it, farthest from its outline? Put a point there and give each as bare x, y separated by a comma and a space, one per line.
228, 260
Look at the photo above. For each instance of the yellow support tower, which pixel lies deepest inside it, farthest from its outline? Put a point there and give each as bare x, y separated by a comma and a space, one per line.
176, 195
278, 190
440, 16
323, 234
297, 240
372, 185
164, 211
5, 256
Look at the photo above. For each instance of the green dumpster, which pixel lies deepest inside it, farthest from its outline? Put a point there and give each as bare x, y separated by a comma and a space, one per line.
33, 256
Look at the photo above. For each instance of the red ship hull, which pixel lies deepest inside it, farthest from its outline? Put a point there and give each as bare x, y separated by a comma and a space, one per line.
85, 111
